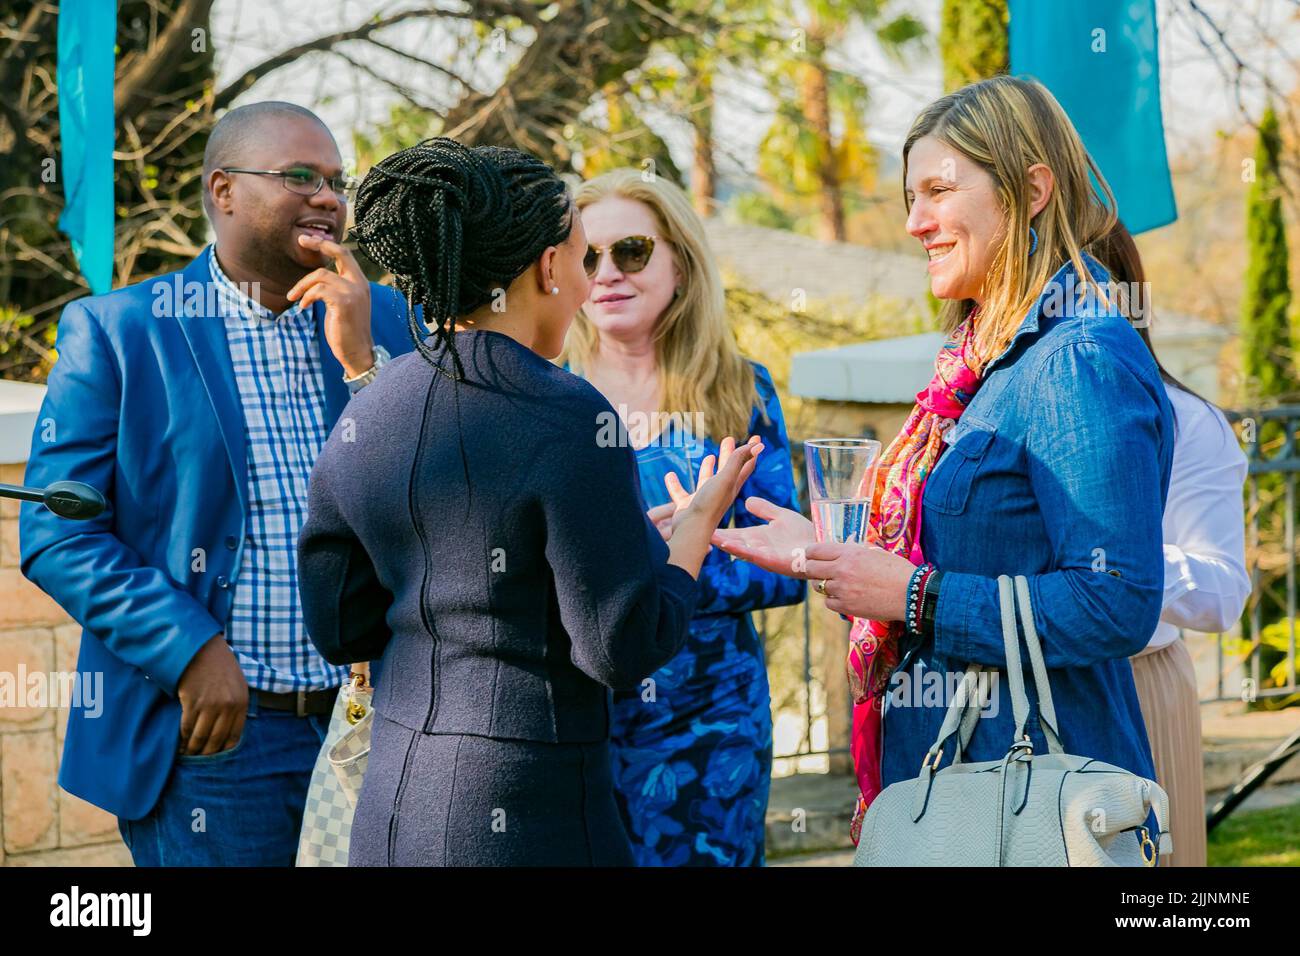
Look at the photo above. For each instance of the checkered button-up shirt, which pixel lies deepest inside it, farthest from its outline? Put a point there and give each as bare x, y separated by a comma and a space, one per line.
277, 369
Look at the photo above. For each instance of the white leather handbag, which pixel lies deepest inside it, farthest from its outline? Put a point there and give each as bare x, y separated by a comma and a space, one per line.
1049, 809
326, 834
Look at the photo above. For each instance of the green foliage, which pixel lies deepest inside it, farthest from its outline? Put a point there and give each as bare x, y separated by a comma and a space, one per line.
813, 173
1274, 641
896, 34
759, 209
406, 126
12, 324
787, 159
1267, 349
1267, 345
625, 140
162, 119
774, 333
973, 41
932, 301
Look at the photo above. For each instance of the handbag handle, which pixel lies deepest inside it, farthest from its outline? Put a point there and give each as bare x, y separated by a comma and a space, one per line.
1015, 674
961, 716
966, 729
1008, 593
963, 711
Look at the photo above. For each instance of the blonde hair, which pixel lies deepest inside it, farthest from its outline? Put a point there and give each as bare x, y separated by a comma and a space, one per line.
1005, 125
704, 376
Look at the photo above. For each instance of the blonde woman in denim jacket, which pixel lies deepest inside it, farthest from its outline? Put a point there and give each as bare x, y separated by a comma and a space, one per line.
1042, 447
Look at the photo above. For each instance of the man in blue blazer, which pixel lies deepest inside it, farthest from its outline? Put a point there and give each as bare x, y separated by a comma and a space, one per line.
197, 402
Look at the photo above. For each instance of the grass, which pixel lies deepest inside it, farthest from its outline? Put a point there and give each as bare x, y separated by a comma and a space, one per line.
1257, 838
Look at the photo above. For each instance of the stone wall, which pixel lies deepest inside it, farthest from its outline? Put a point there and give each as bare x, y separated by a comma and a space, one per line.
40, 825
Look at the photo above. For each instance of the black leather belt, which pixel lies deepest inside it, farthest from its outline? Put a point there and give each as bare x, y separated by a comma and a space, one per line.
302, 702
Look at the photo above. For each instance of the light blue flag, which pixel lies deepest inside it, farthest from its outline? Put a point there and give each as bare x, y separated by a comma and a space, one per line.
1100, 61
87, 32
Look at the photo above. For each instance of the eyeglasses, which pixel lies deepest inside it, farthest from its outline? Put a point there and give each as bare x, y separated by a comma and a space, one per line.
630, 254
303, 181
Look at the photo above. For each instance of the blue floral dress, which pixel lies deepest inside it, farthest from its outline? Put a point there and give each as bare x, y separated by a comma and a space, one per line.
693, 748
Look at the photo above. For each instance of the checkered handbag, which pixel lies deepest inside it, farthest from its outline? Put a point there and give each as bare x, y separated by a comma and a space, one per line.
336, 778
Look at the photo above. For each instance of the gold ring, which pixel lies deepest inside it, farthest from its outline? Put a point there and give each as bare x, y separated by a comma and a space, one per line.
820, 586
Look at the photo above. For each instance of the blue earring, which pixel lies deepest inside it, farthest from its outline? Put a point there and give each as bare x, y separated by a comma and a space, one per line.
1033, 241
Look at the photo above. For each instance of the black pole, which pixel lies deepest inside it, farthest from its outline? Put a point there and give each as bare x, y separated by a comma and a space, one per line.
1252, 780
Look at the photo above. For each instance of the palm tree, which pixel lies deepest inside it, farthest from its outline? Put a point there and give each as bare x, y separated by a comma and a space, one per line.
804, 79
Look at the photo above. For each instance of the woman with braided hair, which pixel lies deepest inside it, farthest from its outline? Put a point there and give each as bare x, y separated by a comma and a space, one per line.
470, 526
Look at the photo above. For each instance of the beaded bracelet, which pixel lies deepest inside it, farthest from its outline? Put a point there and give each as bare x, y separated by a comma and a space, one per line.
920, 601
915, 591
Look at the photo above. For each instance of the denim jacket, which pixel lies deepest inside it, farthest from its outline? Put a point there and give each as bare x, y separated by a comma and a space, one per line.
1057, 470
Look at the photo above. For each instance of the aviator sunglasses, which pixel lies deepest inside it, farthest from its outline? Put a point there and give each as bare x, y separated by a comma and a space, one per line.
630, 254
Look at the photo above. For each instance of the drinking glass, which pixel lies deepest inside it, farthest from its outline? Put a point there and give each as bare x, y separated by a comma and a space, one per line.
656, 461
841, 473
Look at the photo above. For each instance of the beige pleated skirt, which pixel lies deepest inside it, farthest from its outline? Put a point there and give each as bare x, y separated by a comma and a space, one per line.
1166, 689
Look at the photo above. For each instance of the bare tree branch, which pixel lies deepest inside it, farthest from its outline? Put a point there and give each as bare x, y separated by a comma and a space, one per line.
422, 61
401, 90
137, 80
482, 9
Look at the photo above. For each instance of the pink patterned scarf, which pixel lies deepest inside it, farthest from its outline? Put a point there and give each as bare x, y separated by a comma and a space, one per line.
895, 525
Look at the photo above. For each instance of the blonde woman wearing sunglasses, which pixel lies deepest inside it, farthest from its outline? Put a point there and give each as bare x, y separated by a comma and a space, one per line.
693, 747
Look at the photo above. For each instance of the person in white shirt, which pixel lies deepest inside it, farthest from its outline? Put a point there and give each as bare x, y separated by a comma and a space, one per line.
1206, 583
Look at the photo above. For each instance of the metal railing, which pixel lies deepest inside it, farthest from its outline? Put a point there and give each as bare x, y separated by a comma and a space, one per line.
1267, 469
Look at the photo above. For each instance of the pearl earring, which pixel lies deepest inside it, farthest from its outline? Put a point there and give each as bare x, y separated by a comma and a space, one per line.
555, 290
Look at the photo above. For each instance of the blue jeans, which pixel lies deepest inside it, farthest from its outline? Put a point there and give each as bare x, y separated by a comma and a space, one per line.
240, 807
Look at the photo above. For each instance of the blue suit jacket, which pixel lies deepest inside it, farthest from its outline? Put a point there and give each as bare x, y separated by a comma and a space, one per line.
142, 404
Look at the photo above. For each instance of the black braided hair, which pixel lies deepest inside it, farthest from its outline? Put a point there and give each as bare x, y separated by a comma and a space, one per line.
454, 223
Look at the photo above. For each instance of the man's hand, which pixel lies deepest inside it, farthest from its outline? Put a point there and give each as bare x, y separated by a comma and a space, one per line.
346, 294
214, 700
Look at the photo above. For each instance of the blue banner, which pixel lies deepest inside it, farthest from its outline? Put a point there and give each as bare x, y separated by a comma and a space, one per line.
87, 32
1100, 60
